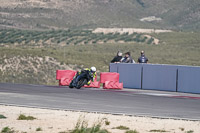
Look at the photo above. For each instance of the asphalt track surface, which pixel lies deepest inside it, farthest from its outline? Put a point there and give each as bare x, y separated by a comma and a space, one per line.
127, 102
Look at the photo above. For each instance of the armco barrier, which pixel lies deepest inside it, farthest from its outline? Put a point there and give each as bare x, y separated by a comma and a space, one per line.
130, 75
159, 77
189, 79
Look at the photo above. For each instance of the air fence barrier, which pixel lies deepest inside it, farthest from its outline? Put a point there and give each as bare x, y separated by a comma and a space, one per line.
159, 77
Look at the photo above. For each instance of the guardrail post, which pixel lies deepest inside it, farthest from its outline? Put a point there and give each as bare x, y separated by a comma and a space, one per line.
141, 77
177, 80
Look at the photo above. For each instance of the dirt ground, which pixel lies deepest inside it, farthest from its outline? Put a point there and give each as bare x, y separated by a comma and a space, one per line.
55, 121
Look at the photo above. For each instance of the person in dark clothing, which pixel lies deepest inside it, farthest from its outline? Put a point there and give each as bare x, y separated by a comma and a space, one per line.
127, 58
117, 58
142, 58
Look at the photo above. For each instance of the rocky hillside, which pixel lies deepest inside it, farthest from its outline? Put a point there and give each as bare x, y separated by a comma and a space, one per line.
30, 70
45, 14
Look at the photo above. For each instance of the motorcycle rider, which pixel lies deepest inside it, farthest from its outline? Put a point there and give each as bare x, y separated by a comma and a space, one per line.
90, 73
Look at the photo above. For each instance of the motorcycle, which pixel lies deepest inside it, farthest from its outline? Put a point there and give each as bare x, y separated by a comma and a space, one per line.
80, 80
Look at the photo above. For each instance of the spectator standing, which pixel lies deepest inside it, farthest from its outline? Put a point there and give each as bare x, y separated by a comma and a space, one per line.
127, 58
117, 58
142, 58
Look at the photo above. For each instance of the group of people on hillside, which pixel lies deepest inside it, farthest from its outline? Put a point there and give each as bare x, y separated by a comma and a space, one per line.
128, 59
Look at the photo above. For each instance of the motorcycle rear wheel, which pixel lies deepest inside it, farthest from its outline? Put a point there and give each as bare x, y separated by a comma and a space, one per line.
81, 83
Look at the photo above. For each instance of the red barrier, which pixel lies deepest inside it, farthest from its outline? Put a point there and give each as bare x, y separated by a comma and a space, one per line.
65, 74
109, 76
94, 84
110, 80
113, 85
64, 81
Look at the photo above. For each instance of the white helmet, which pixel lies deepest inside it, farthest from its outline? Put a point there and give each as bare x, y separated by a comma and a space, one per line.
93, 69
119, 53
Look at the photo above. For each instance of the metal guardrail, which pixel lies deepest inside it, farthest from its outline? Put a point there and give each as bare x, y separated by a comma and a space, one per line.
159, 77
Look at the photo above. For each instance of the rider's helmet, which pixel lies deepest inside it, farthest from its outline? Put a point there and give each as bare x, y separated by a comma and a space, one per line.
93, 69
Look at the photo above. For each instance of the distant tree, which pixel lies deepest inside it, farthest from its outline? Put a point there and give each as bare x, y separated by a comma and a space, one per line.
150, 41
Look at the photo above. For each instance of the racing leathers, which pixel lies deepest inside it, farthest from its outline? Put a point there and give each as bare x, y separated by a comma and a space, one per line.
88, 73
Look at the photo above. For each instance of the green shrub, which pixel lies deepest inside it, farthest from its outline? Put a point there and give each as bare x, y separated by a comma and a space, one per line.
122, 127
23, 117
150, 41
160, 131
132, 131
107, 122
2, 117
38, 129
144, 39
190, 131
82, 127
7, 130
182, 129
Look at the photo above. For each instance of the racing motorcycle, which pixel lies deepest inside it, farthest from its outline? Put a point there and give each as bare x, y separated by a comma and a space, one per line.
81, 79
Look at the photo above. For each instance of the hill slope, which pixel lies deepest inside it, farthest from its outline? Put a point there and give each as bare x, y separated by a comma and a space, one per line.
45, 14
38, 65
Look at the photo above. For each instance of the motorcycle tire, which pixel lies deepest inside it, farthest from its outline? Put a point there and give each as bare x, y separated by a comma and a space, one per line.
81, 83
71, 85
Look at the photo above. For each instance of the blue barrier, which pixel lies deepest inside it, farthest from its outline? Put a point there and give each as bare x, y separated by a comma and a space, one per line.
130, 75
159, 77
189, 79
113, 67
